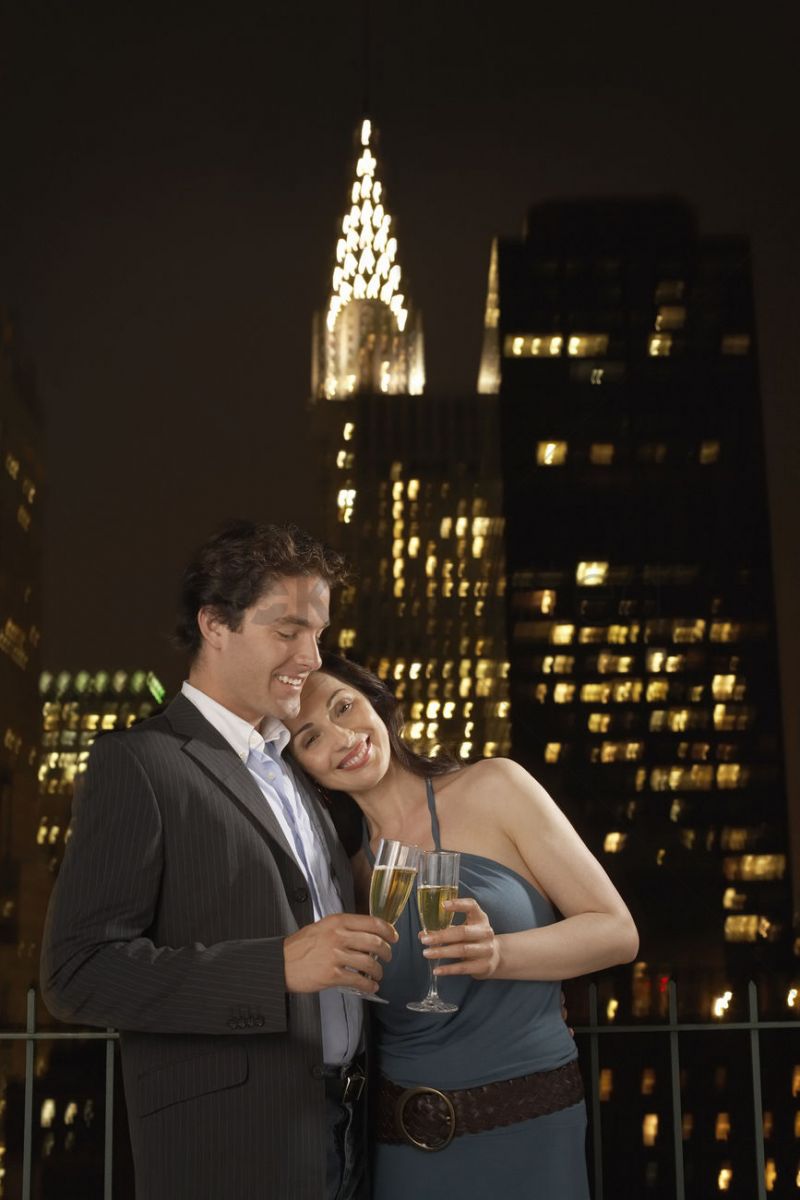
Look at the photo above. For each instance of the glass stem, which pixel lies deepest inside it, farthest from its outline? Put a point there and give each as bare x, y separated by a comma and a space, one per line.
433, 986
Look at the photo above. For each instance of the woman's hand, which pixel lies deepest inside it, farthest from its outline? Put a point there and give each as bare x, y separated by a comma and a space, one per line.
475, 943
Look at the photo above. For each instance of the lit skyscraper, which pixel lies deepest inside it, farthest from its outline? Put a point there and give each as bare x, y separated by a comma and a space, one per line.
75, 709
412, 495
369, 339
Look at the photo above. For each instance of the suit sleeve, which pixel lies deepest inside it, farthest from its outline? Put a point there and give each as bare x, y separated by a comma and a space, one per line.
98, 965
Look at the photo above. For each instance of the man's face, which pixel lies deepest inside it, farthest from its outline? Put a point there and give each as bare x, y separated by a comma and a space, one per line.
261, 667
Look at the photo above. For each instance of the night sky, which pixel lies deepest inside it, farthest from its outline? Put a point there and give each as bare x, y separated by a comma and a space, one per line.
171, 182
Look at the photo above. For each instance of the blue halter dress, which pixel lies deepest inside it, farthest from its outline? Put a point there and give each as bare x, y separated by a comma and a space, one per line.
503, 1028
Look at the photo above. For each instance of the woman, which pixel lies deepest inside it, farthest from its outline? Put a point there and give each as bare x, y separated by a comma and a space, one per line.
507, 1115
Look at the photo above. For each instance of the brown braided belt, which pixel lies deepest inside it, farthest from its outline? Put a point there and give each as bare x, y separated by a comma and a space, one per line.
429, 1119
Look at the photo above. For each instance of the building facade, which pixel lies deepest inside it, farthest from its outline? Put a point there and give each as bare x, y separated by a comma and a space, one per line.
411, 492
644, 689
21, 482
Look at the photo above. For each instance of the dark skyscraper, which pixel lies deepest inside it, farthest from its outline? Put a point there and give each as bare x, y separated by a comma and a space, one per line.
21, 477
644, 684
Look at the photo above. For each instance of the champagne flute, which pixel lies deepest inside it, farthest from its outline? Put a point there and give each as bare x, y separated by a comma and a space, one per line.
437, 882
390, 887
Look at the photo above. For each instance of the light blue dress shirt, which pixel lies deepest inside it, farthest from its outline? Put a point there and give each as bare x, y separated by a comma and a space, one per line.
261, 750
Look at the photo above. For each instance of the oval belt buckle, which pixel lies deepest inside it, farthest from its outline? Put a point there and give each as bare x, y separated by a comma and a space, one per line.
400, 1109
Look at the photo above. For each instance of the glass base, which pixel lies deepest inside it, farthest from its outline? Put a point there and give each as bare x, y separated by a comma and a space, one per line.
433, 1005
364, 995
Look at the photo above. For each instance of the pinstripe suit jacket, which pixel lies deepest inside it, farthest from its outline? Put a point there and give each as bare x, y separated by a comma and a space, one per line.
167, 921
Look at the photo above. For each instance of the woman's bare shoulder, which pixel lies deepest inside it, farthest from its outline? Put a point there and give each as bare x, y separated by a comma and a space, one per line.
490, 772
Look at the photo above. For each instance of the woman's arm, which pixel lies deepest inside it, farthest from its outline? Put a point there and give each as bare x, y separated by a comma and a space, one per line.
597, 930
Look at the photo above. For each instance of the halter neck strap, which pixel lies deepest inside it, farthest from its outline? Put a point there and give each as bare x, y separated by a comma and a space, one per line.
437, 838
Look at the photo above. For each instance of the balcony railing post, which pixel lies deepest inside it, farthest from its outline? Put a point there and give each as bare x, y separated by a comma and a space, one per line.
108, 1158
594, 1065
27, 1137
675, 1077
758, 1103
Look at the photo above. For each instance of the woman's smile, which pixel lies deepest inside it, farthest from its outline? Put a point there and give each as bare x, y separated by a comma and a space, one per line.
358, 756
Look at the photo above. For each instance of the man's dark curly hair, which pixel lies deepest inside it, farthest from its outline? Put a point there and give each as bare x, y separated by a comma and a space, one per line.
238, 564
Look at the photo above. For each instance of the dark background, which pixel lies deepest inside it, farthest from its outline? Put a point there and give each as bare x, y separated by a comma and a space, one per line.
171, 186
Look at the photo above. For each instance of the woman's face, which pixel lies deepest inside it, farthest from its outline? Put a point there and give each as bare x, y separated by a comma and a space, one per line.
338, 737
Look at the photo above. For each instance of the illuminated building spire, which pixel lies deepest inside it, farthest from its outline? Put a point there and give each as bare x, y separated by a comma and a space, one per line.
370, 339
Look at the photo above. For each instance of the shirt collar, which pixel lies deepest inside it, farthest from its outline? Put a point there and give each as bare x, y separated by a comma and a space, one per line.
238, 733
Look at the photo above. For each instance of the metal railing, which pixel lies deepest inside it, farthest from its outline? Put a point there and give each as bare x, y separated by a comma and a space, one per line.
671, 1029
31, 1036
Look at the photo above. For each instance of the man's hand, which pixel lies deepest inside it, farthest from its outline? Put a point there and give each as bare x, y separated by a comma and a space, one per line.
344, 950
474, 943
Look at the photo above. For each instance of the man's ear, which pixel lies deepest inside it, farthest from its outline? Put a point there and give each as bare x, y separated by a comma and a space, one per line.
212, 628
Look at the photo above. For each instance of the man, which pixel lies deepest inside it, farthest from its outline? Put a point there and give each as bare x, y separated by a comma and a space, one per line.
199, 905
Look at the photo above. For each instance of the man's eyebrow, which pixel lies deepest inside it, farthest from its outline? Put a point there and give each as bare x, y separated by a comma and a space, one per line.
309, 724
301, 622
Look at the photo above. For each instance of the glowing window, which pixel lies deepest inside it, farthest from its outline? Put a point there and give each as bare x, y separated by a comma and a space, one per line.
562, 635
725, 631
348, 431
688, 631
733, 900
735, 343
741, 928
614, 664
732, 775
649, 1129
552, 752
614, 842
674, 779
659, 345
722, 1127
551, 454
532, 345
709, 453
563, 693
725, 1179
606, 1083
598, 722
670, 316
592, 634
648, 1085
545, 600
729, 717
558, 664
601, 454
587, 345
591, 574
727, 687
612, 752
754, 867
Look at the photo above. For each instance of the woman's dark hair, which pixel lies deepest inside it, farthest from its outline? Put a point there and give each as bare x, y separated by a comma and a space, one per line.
238, 564
344, 811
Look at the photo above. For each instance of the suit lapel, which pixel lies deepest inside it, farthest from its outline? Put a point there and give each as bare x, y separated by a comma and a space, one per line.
210, 750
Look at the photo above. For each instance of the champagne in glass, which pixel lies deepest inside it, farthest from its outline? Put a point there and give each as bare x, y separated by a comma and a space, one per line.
389, 891
393, 878
431, 897
438, 882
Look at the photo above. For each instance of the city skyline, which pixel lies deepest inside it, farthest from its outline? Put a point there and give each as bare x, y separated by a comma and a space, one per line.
168, 221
